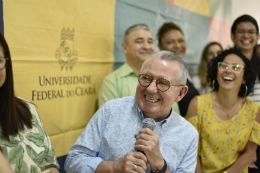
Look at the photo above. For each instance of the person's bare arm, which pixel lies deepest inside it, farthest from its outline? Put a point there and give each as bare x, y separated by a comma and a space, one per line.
192, 111
247, 155
4, 165
198, 167
52, 170
244, 159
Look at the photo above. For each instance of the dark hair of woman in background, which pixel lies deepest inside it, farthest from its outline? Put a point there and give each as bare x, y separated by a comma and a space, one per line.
170, 37
209, 52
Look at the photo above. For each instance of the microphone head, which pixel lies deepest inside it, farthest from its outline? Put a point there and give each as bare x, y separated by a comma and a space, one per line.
149, 123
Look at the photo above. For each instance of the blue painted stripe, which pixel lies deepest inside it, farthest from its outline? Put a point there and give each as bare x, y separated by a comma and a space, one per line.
154, 13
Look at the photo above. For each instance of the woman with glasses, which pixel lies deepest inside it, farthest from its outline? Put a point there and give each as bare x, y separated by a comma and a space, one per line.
170, 37
245, 34
23, 140
227, 121
200, 81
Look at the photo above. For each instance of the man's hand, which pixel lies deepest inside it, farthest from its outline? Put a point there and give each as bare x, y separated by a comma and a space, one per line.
128, 162
148, 142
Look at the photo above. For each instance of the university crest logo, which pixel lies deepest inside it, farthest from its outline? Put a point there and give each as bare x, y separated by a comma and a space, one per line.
66, 54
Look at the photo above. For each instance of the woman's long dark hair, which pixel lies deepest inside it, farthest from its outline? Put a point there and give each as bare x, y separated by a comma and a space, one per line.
255, 60
14, 112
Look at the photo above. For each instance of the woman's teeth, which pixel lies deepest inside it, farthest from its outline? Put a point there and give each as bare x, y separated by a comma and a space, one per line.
228, 78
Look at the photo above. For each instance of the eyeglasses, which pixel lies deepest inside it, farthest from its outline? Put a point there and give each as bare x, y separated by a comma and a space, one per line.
237, 68
2, 62
250, 32
162, 84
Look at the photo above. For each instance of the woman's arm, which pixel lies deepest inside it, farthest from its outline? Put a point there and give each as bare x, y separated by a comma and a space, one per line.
4, 165
247, 156
198, 167
52, 170
244, 159
192, 109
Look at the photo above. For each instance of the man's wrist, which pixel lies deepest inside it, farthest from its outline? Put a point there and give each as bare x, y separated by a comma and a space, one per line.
163, 170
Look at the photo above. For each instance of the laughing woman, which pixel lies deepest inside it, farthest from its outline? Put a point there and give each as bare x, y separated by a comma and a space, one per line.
23, 140
227, 121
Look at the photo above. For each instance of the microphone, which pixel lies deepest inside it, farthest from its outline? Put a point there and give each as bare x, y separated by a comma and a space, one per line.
150, 124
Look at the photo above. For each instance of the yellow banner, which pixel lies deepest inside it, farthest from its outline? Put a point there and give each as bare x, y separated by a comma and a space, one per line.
61, 52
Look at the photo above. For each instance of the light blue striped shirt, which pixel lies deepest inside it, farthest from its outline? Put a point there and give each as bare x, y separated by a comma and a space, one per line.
109, 135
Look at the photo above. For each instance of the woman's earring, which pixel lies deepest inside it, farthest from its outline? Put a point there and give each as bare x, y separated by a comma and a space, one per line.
213, 83
246, 91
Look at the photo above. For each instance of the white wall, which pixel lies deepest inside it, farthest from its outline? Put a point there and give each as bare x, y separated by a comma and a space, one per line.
251, 7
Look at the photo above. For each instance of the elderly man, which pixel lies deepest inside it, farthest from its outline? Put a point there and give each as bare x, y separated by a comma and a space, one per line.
137, 47
114, 134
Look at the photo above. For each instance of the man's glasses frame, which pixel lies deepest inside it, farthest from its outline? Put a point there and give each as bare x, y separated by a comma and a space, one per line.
250, 32
234, 67
150, 79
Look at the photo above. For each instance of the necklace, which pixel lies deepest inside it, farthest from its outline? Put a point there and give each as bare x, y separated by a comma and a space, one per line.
228, 115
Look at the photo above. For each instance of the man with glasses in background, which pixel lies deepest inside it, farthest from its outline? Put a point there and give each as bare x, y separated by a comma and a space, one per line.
137, 46
113, 136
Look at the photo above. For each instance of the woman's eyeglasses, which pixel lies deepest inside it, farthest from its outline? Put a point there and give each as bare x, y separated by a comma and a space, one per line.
237, 68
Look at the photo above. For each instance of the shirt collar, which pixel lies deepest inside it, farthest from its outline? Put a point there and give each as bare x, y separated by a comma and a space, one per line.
141, 115
127, 70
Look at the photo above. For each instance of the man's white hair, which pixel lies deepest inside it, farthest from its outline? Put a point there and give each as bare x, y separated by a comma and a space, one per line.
172, 57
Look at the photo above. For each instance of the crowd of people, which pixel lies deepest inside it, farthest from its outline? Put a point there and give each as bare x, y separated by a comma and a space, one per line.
206, 124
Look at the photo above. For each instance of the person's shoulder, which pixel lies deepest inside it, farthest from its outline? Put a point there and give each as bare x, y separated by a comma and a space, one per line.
113, 74
25, 102
189, 128
118, 102
119, 106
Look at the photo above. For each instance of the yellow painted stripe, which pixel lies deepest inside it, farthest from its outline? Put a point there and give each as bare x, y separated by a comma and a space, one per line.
198, 6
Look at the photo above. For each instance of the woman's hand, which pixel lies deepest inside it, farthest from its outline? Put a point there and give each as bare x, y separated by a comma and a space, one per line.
252, 163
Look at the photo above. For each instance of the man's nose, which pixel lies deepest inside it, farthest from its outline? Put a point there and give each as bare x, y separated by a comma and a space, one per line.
152, 88
146, 45
176, 44
246, 34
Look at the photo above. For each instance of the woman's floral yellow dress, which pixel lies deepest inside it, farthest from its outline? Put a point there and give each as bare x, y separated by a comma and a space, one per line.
221, 142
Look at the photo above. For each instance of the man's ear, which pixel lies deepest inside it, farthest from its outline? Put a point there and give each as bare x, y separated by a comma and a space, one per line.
124, 48
232, 37
258, 36
182, 92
